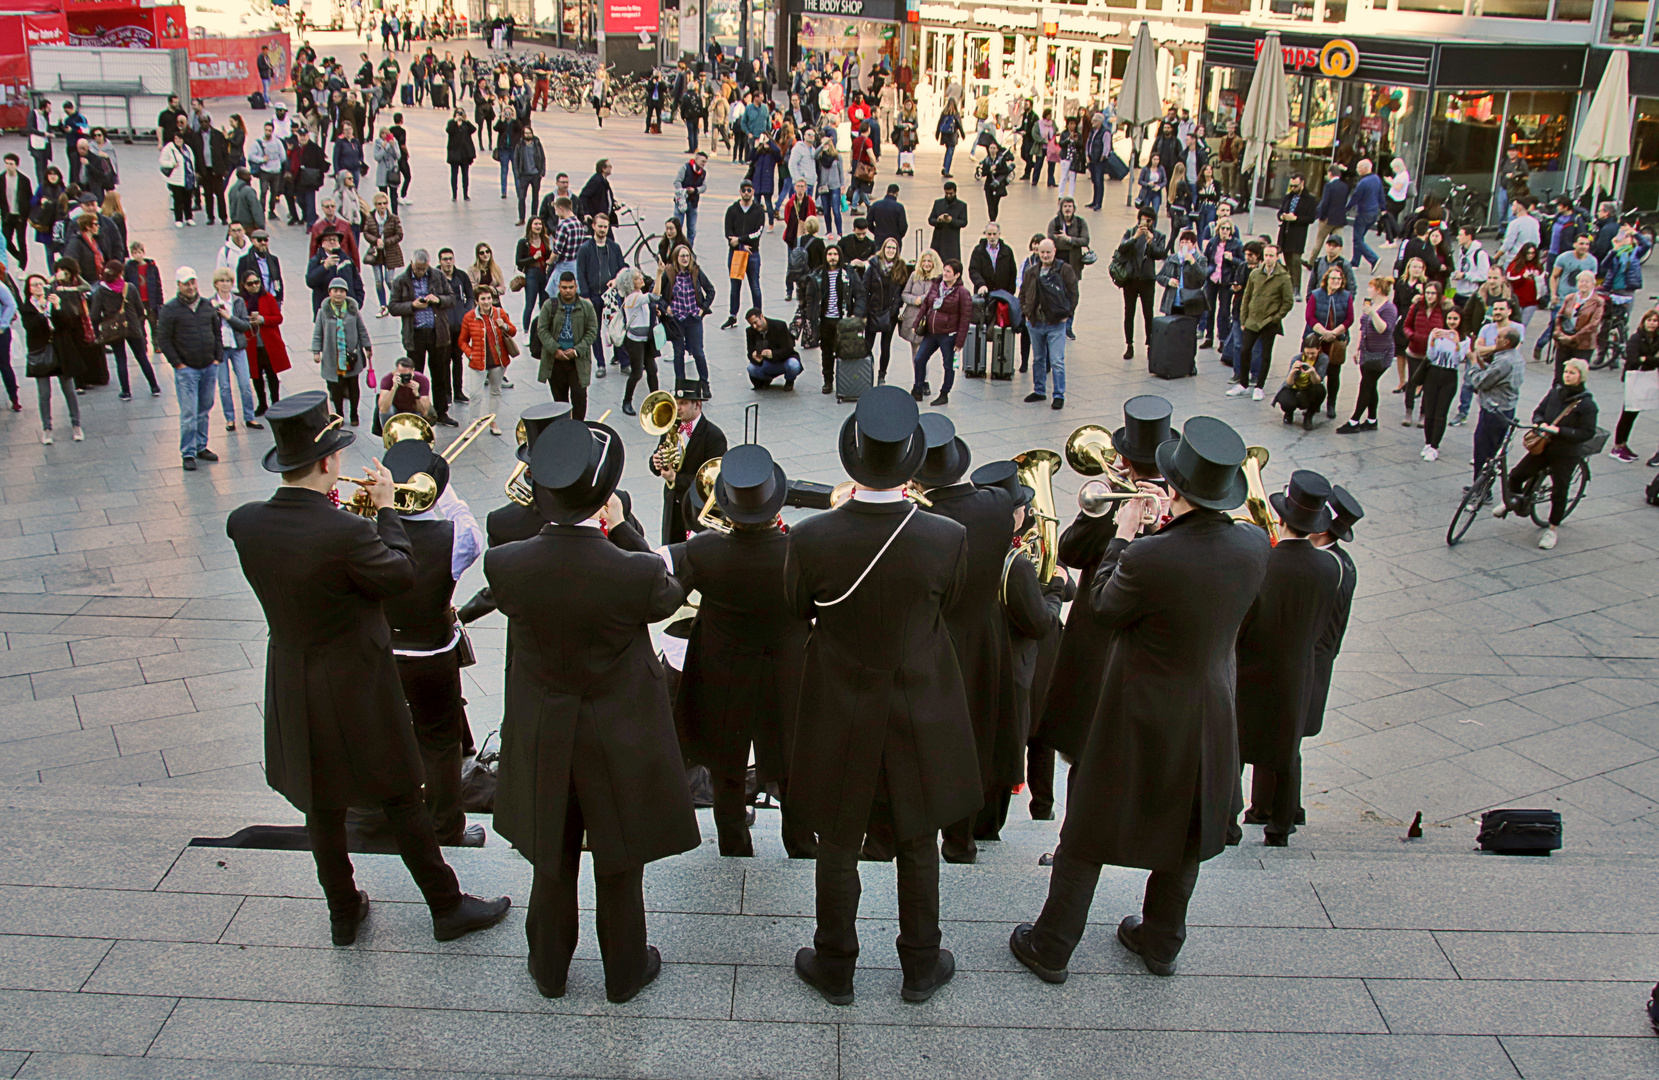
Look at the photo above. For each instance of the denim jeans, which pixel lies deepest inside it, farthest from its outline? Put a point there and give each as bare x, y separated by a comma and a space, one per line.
1048, 353
308, 206
1467, 394
195, 390
691, 341
235, 366
688, 225
1489, 432
44, 393
761, 374
380, 276
1362, 250
941, 343
950, 152
829, 206
506, 163
535, 291
1217, 321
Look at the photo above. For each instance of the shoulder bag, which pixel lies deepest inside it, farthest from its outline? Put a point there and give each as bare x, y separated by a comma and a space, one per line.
1535, 441
42, 363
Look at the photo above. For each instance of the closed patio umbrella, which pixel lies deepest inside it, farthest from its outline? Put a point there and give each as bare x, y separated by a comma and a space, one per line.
1266, 117
1138, 100
1604, 137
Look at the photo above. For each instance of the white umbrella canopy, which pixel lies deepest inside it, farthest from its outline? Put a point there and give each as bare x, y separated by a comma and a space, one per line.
1604, 137
1266, 117
1138, 100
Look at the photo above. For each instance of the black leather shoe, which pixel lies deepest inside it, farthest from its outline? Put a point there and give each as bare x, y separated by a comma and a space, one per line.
447, 421
828, 389
628, 409
653, 968
344, 931
1019, 943
942, 399
554, 991
1253, 817
1276, 839
472, 836
1129, 937
1036, 395
475, 913
812, 973
942, 972
189, 464
1057, 404
207, 455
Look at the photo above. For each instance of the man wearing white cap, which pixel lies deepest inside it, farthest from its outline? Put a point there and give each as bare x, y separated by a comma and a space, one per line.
187, 334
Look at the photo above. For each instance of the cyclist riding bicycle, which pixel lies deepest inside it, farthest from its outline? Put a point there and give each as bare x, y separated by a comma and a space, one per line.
1567, 416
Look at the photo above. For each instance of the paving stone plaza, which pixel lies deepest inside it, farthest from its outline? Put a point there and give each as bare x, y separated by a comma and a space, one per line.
1490, 674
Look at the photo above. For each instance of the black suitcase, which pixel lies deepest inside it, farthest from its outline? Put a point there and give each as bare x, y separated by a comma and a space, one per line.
1005, 351
256, 100
1115, 167
853, 377
440, 95
1174, 350
976, 348
1520, 832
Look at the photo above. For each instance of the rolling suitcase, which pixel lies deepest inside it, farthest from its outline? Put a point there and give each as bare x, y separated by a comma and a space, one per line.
1115, 167
976, 349
853, 377
407, 95
1174, 350
1005, 351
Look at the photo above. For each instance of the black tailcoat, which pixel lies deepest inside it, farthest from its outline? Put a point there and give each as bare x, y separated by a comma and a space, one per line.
979, 629
1330, 643
1164, 742
511, 523
742, 676
881, 697
337, 728
706, 441
1080, 667
1032, 616
1276, 649
586, 708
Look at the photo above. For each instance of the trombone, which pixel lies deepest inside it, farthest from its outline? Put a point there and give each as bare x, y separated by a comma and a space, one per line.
420, 491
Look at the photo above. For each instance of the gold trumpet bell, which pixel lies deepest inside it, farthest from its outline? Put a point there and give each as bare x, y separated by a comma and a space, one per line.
1089, 450
405, 425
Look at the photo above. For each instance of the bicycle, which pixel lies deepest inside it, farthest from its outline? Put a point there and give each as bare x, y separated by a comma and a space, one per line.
1533, 499
645, 243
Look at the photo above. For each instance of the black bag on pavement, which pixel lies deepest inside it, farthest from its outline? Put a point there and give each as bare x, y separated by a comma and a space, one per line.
1174, 350
1115, 166
256, 100
853, 377
1520, 832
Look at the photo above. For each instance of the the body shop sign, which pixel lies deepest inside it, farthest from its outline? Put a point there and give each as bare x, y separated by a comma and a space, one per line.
630, 16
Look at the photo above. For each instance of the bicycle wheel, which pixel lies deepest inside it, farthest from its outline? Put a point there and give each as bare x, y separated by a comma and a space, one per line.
645, 253
1473, 501
1576, 483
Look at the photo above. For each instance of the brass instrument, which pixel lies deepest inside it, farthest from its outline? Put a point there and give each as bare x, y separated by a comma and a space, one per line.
912, 491
518, 486
1257, 510
711, 517
405, 425
1041, 541
659, 415
464, 439
1089, 451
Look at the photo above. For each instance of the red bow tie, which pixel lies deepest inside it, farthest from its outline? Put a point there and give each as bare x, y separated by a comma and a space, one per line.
685, 430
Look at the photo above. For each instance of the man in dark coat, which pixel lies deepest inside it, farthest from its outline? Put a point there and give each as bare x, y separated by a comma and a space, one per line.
883, 740
1276, 648
587, 736
263, 262
992, 267
596, 198
422, 298
948, 217
887, 218
1074, 688
700, 440
1296, 213
741, 679
977, 626
337, 729
1155, 784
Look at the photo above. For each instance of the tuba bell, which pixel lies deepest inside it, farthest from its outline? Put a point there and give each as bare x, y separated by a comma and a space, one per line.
711, 517
660, 416
1041, 541
1257, 510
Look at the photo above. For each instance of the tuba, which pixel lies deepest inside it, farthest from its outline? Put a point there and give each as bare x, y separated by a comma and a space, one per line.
660, 416
1257, 510
1041, 541
711, 517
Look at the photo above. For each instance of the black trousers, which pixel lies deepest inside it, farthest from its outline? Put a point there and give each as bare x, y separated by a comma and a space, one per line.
551, 921
1366, 401
1071, 893
432, 686
213, 195
265, 382
428, 346
731, 815
457, 364
410, 827
1039, 777
342, 392
1144, 291
1247, 346
839, 890
564, 384
828, 330
641, 361
993, 815
1439, 391
1561, 475
1276, 796
16, 232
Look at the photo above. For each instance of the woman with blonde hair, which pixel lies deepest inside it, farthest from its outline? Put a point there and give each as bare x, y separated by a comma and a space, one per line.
117, 213
686, 295
926, 271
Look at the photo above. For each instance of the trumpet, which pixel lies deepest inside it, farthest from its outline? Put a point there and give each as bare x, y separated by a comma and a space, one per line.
711, 517
414, 495
912, 491
1257, 510
660, 416
1089, 451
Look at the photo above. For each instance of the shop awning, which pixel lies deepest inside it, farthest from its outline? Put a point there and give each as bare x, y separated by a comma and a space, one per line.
1266, 117
1604, 137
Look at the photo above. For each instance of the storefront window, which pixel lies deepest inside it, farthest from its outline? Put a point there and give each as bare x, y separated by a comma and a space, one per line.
1336, 10
1573, 10
1642, 188
1463, 137
1538, 125
832, 40
1437, 7
1300, 10
1513, 9
1626, 20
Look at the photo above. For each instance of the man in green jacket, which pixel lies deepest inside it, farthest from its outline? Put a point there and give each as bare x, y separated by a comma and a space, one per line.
565, 331
1268, 298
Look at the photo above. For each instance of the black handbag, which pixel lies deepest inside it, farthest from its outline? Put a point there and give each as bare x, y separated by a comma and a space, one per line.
1520, 832
42, 363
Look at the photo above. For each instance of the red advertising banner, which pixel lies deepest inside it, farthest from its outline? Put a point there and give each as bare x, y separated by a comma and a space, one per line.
118, 27
17, 32
229, 67
630, 16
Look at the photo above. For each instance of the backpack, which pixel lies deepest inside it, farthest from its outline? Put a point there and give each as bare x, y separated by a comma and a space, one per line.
947, 124
797, 270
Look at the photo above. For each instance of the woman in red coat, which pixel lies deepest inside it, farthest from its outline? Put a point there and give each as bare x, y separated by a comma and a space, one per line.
267, 356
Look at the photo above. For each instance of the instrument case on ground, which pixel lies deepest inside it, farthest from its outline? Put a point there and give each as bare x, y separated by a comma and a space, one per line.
1520, 832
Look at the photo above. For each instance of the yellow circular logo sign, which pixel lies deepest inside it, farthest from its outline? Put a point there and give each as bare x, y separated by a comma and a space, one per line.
1338, 59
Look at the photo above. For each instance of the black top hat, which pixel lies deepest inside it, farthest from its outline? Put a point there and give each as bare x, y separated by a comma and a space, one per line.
1004, 475
305, 431
1202, 465
1347, 511
1145, 428
576, 466
947, 456
751, 486
689, 390
535, 420
1302, 504
407, 457
882, 443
